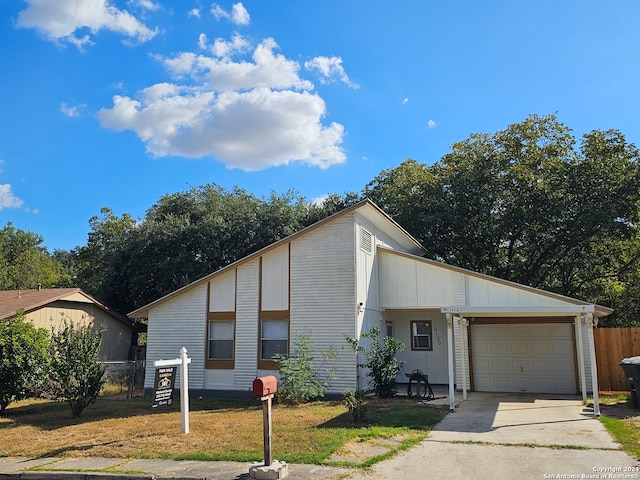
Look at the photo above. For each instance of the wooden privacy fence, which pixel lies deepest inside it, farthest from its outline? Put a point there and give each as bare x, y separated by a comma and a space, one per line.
612, 345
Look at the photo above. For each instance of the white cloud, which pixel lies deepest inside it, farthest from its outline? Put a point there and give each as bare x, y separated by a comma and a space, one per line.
223, 74
71, 110
405, 101
330, 68
66, 20
431, 124
319, 201
238, 14
7, 198
222, 48
148, 5
202, 41
194, 12
249, 113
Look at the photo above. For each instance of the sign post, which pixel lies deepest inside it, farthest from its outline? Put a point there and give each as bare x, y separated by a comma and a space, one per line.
165, 373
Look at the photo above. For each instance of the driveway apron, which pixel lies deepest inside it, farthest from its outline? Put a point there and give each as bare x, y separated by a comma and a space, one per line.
522, 436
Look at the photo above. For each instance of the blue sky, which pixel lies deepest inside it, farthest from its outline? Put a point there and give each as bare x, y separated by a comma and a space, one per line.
113, 103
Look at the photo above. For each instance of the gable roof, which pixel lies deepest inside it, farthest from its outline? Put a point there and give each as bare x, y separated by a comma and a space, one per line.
11, 301
366, 208
599, 310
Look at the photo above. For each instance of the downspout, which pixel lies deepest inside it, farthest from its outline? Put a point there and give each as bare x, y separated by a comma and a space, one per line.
580, 355
591, 324
452, 402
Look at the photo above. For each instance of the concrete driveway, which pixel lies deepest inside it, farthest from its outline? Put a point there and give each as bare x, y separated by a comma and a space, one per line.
520, 436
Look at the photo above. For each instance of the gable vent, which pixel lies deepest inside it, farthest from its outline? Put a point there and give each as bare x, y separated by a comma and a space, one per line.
366, 240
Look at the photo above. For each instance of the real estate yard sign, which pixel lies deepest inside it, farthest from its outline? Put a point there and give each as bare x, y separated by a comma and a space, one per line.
164, 384
165, 379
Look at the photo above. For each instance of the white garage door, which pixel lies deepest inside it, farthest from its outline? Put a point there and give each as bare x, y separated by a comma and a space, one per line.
537, 358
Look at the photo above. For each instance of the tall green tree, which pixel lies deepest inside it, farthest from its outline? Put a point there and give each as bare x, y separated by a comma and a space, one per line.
23, 359
25, 263
525, 204
98, 263
183, 237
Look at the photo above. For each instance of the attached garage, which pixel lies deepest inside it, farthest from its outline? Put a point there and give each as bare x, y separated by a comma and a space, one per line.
523, 357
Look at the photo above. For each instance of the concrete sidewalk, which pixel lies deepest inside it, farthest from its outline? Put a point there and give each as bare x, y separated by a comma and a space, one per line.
139, 469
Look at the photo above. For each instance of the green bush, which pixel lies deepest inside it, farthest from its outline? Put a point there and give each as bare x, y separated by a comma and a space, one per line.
299, 381
23, 359
76, 376
381, 361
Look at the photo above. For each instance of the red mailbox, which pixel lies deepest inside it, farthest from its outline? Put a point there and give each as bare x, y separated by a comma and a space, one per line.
263, 386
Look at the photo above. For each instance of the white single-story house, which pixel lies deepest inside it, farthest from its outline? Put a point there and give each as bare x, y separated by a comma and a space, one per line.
358, 269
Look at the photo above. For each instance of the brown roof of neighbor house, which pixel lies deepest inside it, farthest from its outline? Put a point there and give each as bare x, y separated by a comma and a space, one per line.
11, 301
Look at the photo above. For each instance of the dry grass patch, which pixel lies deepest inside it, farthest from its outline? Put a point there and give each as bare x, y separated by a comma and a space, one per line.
220, 429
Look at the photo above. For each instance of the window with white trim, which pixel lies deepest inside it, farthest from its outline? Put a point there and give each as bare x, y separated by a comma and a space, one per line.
421, 335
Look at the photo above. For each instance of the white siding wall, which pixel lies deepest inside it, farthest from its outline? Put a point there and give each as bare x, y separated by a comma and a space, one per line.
323, 295
223, 293
461, 348
433, 362
179, 322
275, 279
484, 292
367, 292
246, 361
585, 354
407, 283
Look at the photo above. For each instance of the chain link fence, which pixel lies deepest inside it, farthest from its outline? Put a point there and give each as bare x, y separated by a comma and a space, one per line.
127, 376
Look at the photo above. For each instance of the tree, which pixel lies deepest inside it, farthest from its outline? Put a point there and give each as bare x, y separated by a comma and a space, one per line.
25, 264
76, 376
183, 237
100, 270
525, 205
380, 360
23, 359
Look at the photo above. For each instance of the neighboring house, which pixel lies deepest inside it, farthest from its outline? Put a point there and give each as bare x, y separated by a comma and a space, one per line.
48, 308
358, 269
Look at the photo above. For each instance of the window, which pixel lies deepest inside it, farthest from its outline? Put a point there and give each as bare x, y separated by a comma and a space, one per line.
389, 327
221, 339
421, 335
274, 338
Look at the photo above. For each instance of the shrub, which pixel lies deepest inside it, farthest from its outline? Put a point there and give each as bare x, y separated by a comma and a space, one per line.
381, 361
299, 381
76, 376
355, 403
23, 359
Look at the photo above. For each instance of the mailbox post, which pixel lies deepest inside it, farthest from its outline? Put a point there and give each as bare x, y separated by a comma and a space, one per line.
264, 388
